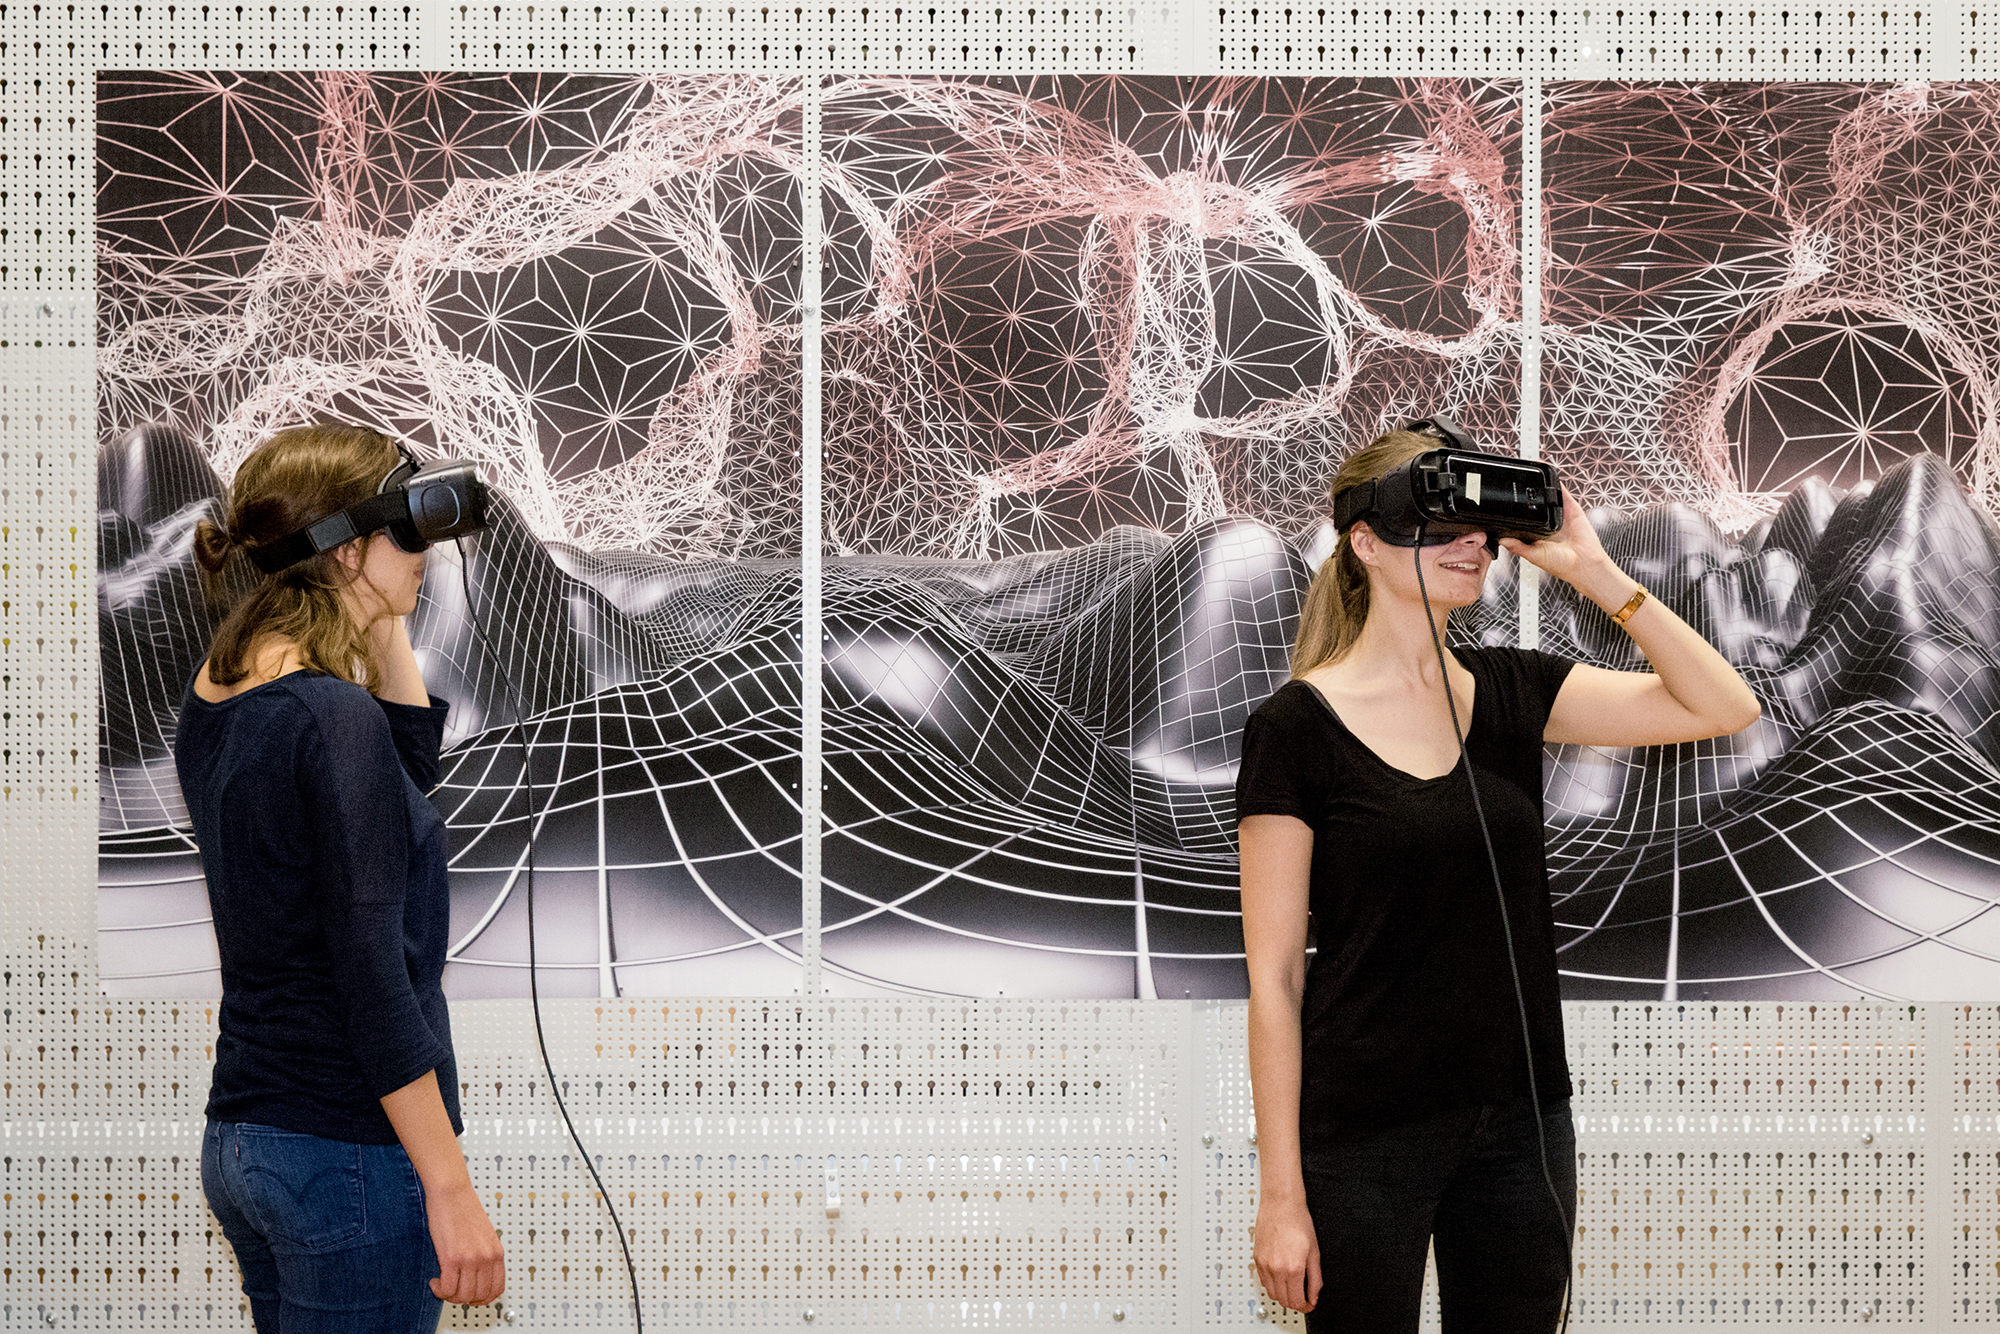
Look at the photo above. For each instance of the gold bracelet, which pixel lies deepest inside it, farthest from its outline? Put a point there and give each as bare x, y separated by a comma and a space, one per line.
1624, 613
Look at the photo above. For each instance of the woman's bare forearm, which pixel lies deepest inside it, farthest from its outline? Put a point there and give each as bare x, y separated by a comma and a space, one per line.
1275, 1075
1690, 668
417, 1112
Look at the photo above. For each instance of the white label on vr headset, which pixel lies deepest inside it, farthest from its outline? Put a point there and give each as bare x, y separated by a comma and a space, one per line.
1472, 487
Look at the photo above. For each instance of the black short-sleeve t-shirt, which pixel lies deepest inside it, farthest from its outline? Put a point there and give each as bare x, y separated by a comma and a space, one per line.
1409, 1004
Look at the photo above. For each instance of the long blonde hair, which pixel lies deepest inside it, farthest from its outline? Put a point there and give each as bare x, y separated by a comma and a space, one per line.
1336, 605
297, 477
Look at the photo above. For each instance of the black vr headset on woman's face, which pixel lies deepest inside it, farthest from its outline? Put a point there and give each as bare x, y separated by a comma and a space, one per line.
1445, 494
418, 504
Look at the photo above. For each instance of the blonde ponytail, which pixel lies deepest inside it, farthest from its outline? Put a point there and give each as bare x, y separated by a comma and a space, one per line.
1336, 607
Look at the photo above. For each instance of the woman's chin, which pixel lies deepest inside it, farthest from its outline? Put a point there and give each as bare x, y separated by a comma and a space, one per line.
1452, 593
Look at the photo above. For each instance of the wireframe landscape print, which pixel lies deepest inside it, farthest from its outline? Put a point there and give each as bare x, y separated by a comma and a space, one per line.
1091, 351
1094, 348
1770, 340
589, 286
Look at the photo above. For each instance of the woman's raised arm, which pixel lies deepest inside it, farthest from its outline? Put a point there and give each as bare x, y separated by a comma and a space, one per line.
1692, 691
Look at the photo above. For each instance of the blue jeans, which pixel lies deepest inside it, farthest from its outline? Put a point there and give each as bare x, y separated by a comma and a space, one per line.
1469, 1182
330, 1236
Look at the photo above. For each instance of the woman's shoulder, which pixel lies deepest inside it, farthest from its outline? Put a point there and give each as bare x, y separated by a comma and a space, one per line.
303, 696
330, 698
325, 699
245, 696
1526, 679
289, 719
1509, 659
342, 726
1294, 703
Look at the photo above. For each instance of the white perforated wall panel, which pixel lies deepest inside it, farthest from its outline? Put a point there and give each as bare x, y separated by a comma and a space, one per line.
998, 1164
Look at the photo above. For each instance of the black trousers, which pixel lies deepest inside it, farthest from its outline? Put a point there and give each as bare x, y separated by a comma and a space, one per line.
1468, 1181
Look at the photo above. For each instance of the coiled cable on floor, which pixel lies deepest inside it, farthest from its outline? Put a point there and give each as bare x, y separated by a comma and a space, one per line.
534, 987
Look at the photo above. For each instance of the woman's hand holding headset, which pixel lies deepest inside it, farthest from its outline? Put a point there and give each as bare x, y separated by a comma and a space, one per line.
1572, 553
382, 588
1692, 692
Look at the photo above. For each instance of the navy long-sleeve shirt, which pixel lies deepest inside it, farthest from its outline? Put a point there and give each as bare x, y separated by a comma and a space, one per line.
325, 864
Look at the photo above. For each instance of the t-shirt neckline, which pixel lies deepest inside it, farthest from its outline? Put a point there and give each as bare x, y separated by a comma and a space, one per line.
195, 695
1404, 775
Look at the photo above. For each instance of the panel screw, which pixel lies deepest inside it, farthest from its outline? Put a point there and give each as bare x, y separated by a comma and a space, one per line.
1868, 1137
811, 1315
1207, 1138
1117, 1313
1253, 1137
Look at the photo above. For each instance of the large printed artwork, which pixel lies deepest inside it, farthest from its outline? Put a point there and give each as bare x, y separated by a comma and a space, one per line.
1094, 348
1770, 340
1101, 343
590, 287
1091, 350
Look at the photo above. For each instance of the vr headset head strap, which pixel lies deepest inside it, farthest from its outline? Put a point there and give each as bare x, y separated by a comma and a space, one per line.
1440, 427
372, 514
1393, 491
389, 505
1351, 505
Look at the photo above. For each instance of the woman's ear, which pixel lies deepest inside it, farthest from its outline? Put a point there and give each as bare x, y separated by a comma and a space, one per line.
349, 555
1365, 546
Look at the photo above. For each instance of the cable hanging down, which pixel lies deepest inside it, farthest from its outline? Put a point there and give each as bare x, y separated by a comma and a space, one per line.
520, 730
1506, 928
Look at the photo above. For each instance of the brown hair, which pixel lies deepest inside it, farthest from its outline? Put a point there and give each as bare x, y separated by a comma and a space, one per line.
297, 477
1336, 605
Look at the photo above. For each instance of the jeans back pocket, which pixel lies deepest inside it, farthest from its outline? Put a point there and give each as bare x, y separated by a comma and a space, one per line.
303, 1193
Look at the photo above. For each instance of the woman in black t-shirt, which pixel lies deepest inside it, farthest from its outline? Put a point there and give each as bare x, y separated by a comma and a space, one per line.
1395, 1104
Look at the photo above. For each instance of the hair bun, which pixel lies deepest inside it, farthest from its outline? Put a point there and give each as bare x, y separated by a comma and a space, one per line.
212, 546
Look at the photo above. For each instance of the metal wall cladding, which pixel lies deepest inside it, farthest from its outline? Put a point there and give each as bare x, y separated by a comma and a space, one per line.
1023, 1163
998, 1163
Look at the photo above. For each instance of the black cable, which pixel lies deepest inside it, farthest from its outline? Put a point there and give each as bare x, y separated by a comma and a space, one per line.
534, 988
1506, 928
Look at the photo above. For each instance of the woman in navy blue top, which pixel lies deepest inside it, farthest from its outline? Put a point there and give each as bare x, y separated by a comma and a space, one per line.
306, 746
1398, 1109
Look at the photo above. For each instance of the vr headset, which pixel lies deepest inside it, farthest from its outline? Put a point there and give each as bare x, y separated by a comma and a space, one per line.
418, 504
1443, 495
